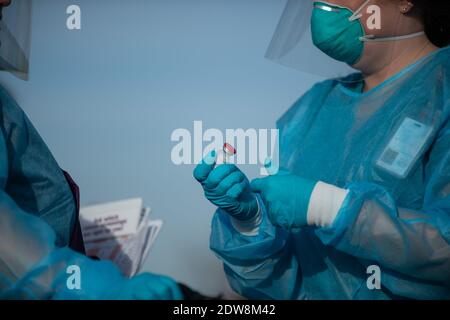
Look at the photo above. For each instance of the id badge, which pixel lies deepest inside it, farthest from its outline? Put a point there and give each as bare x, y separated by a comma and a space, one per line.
405, 147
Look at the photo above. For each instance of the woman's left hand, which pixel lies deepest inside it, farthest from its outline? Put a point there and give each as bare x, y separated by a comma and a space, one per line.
286, 198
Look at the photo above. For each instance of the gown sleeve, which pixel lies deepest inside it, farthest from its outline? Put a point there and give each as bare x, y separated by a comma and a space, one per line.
33, 267
260, 266
411, 247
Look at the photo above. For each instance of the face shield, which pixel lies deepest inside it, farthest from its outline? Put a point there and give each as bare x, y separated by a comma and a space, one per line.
15, 34
329, 38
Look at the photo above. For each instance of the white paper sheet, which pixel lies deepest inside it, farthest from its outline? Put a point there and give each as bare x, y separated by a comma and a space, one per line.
110, 220
128, 249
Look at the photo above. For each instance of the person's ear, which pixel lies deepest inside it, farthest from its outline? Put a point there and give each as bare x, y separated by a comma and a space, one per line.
405, 6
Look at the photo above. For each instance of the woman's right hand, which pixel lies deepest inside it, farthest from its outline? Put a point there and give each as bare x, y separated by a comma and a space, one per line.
227, 187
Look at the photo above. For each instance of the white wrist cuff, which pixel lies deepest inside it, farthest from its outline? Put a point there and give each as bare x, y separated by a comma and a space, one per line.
324, 205
249, 228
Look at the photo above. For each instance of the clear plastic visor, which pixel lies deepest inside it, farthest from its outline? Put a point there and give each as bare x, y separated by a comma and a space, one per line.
15, 34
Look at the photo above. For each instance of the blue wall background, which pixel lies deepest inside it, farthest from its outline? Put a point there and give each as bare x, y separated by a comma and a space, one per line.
107, 98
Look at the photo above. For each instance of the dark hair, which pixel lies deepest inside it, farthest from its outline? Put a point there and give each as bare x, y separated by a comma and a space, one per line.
436, 17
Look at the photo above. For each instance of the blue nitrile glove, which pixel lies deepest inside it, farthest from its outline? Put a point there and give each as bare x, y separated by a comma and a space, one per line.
147, 286
286, 198
227, 187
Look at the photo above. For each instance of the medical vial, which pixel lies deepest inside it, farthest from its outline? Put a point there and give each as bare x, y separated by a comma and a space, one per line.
225, 155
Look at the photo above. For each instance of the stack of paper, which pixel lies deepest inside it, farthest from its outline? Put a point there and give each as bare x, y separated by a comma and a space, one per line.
121, 232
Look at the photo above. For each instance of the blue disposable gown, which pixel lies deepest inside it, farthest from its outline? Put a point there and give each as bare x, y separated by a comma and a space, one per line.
33, 179
37, 213
397, 212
